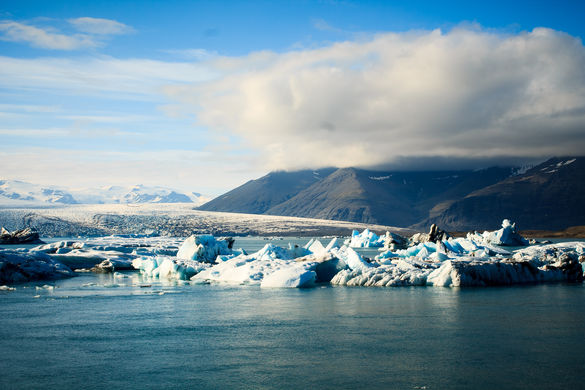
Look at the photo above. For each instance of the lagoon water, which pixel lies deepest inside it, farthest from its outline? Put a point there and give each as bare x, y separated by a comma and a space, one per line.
208, 336
102, 332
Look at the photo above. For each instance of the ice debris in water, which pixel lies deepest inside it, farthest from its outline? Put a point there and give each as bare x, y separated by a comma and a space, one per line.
168, 267
454, 262
365, 239
434, 260
506, 236
204, 248
21, 266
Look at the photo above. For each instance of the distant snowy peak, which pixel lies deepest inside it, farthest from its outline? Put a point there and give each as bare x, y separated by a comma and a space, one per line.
137, 194
15, 192
554, 166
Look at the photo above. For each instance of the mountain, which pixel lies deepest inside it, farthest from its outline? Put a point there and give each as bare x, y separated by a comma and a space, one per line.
549, 196
14, 192
135, 194
19, 193
350, 194
391, 198
258, 196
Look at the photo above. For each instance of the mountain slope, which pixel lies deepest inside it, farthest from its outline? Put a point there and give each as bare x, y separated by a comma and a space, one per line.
396, 198
257, 196
548, 196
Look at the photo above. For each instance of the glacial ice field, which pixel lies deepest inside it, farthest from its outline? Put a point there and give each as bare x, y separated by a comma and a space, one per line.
363, 259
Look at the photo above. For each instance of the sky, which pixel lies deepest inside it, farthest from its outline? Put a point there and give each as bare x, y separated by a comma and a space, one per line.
206, 95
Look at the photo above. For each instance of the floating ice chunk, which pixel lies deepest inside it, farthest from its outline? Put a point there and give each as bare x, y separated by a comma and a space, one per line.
168, 267
7, 288
403, 272
365, 239
290, 277
351, 258
17, 267
254, 268
316, 247
334, 243
468, 272
203, 248
506, 236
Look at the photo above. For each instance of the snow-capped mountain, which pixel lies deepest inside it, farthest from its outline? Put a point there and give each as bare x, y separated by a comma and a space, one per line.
13, 192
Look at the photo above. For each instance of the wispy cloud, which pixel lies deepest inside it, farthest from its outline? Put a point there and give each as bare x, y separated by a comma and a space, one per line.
463, 94
128, 78
202, 171
44, 38
100, 26
91, 33
193, 54
322, 25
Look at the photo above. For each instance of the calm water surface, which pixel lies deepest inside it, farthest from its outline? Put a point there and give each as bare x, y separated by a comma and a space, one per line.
97, 332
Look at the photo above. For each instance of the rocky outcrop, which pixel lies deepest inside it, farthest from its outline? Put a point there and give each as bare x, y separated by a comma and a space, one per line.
23, 236
435, 234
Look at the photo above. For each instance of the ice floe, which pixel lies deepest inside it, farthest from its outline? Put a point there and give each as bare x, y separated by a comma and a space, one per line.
506, 236
21, 266
433, 259
365, 239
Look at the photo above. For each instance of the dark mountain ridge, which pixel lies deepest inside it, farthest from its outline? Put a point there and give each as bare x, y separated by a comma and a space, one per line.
350, 194
548, 196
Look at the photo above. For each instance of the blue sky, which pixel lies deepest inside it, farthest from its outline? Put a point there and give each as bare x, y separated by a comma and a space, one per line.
203, 96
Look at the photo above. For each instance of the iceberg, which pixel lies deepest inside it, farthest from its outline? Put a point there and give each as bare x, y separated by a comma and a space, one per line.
204, 248
365, 239
271, 266
168, 267
22, 266
506, 236
17, 237
81, 255
470, 272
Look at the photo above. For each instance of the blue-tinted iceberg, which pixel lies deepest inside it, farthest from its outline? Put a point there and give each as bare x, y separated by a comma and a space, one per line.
21, 266
204, 248
365, 239
168, 267
506, 236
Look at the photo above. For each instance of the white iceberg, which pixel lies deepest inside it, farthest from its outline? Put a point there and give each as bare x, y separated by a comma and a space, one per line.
365, 239
272, 263
204, 248
168, 267
506, 236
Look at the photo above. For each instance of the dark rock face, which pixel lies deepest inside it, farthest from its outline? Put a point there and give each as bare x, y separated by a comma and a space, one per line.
23, 236
548, 196
349, 194
258, 196
435, 234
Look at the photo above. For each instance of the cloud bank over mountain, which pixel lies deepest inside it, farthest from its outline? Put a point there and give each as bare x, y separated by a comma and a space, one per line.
468, 94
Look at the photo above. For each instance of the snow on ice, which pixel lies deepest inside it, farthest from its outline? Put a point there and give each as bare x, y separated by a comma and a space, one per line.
433, 260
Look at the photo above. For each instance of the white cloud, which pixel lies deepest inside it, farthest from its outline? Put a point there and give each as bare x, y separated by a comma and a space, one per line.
95, 75
100, 26
322, 25
44, 38
464, 94
201, 171
193, 54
